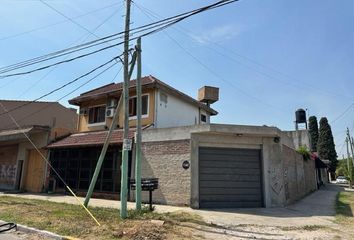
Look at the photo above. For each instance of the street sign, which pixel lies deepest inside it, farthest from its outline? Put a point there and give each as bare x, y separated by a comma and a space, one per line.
127, 144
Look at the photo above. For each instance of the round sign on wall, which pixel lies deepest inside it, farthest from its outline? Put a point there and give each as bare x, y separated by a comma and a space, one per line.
185, 164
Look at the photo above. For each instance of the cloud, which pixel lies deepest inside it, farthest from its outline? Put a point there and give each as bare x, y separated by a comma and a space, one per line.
218, 34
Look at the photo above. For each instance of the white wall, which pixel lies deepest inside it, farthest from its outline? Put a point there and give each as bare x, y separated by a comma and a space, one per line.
175, 112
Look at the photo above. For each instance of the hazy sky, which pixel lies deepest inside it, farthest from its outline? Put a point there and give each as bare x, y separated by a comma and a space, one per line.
268, 57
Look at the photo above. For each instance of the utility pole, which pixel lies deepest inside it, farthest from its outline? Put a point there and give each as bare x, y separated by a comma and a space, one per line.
350, 144
108, 138
348, 163
103, 154
138, 129
125, 150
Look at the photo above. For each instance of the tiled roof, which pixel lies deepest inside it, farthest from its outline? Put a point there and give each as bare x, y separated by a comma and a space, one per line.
145, 82
89, 139
113, 87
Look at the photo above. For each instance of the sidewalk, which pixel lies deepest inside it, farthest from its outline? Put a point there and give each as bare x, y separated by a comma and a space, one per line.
94, 202
315, 209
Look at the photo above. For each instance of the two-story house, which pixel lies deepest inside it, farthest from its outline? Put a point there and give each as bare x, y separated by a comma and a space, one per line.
75, 156
198, 164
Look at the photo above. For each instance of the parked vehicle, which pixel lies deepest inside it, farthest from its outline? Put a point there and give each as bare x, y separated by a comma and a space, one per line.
341, 180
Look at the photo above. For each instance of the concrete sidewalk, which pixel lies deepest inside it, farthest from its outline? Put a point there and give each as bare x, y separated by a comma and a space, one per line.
94, 202
315, 209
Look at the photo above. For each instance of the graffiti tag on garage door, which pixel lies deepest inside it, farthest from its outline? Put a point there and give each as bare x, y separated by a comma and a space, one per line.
7, 174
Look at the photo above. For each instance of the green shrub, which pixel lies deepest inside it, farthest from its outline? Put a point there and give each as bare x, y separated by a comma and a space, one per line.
304, 152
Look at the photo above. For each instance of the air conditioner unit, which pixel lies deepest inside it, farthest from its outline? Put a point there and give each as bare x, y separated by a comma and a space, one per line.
110, 112
112, 103
83, 111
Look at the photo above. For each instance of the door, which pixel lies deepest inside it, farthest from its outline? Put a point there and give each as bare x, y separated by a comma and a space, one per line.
35, 172
230, 178
8, 167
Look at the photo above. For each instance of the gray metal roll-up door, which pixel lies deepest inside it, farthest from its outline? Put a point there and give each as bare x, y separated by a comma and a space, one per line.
230, 178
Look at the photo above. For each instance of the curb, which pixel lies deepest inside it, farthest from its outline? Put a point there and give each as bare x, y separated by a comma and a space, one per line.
26, 229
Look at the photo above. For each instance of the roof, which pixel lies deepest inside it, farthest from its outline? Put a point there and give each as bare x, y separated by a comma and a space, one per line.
16, 134
89, 139
28, 113
146, 82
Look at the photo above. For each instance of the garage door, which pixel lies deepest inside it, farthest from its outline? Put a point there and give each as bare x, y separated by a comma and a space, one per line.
229, 178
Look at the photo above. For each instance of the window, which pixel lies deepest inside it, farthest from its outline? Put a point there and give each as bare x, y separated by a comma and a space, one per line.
133, 107
203, 118
97, 114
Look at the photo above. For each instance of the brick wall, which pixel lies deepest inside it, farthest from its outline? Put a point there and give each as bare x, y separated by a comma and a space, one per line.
164, 160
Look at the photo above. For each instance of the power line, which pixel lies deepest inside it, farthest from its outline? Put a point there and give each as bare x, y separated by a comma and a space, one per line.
210, 70
61, 98
115, 76
85, 36
58, 63
70, 19
161, 24
63, 86
228, 50
57, 23
343, 113
47, 162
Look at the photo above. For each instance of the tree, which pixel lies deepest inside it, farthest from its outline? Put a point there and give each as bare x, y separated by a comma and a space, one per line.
345, 168
325, 145
313, 130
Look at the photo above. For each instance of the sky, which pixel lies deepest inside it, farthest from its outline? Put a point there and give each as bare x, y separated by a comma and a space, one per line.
268, 57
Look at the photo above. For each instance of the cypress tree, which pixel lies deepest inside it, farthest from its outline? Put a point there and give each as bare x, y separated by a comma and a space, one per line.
313, 130
325, 145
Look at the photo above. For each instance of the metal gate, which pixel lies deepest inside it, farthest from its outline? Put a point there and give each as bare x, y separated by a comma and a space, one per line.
230, 178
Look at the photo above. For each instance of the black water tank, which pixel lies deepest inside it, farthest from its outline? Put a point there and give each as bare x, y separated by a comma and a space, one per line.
300, 115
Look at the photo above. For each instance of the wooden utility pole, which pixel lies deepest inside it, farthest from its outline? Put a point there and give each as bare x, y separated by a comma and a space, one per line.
126, 140
138, 129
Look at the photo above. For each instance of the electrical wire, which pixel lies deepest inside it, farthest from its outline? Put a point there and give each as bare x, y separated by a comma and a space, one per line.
343, 113
218, 76
63, 86
224, 2
57, 23
84, 37
61, 98
161, 23
71, 20
292, 83
47, 162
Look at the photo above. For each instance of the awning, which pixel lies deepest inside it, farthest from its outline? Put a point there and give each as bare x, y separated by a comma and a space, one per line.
89, 139
18, 134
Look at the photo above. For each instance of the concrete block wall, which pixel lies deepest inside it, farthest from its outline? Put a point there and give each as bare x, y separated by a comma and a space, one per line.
273, 180
163, 159
298, 174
